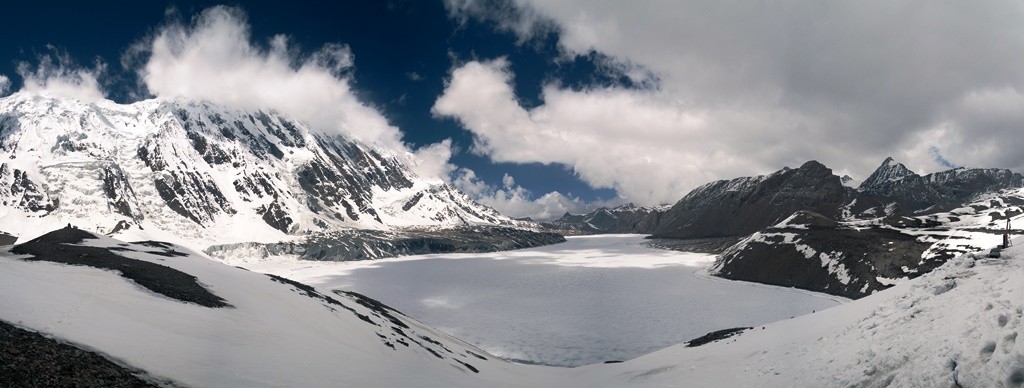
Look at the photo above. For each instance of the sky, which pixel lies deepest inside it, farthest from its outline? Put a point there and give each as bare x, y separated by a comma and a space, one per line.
538, 107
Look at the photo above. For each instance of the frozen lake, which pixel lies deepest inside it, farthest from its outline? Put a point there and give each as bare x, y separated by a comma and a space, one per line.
589, 300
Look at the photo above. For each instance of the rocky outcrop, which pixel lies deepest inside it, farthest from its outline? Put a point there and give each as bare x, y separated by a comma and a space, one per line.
19, 190
813, 252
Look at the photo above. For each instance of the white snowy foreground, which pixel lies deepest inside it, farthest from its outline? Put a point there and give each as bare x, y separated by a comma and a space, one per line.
589, 300
957, 325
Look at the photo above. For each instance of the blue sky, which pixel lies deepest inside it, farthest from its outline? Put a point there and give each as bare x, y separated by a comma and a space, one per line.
538, 107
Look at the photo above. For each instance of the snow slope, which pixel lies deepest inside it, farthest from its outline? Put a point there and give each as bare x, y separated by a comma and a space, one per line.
272, 334
956, 326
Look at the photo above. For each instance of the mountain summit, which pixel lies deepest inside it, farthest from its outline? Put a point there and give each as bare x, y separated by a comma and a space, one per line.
198, 170
889, 171
943, 190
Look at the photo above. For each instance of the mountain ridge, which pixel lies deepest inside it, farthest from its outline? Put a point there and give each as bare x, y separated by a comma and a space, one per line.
195, 170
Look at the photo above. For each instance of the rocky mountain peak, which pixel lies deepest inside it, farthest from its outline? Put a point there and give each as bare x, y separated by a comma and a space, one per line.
744, 205
889, 171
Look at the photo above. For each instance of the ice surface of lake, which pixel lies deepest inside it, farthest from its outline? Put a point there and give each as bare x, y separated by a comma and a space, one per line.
589, 300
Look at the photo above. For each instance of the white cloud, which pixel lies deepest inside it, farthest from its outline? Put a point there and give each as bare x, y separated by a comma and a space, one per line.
514, 201
649, 150
214, 58
746, 88
432, 161
5, 84
57, 74
508, 181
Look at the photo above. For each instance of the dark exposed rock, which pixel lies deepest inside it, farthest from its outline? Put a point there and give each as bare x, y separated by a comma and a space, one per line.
59, 247
412, 201
32, 360
715, 336
7, 238
825, 256
17, 189
120, 195
276, 217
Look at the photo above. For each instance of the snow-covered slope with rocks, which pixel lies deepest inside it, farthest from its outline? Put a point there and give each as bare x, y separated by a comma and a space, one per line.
956, 326
199, 173
856, 257
203, 323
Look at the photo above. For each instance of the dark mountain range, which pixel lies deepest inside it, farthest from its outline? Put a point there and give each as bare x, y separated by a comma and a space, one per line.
807, 228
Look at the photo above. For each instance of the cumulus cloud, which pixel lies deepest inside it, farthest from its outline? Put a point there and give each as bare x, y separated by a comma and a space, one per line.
5, 84
213, 57
747, 88
515, 201
57, 74
432, 161
649, 150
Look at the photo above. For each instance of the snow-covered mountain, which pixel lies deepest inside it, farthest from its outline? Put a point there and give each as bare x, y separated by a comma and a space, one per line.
210, 324
197, 172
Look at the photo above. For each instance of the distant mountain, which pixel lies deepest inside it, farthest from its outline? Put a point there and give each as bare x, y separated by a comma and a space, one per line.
627, 218
201, 173
742, 206
938, 191
889, 171
809, 228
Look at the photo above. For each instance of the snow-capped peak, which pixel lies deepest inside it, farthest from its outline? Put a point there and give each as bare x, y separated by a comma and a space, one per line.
202, 172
